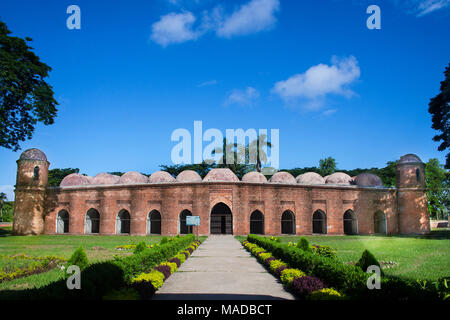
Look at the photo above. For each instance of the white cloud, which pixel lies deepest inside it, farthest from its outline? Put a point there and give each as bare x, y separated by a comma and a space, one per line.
252, 17
319, 81
207, 83
174, 28
427, 6
245, 97
329, 112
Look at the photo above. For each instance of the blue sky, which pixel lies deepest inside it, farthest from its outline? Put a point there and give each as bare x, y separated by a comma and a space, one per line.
138, 70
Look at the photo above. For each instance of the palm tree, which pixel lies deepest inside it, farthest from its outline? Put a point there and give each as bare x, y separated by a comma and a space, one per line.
258, 144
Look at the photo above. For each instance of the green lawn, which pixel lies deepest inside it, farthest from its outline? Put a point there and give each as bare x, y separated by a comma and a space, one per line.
97, 248
420, 257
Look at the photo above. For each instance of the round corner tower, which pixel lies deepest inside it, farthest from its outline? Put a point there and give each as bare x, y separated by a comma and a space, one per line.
31, 184
413, 216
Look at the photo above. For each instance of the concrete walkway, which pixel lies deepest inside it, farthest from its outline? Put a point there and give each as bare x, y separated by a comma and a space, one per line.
221, 269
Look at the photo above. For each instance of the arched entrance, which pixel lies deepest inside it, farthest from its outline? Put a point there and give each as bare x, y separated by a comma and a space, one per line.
123, 222
379, 222
154, 222
350, 222
62, 222
287, 222
257, 222
184, 229
221, 221
319, 222
92, 222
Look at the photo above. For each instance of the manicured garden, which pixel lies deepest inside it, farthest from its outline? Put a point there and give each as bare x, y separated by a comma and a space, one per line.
409, 257
316, 273
113, 267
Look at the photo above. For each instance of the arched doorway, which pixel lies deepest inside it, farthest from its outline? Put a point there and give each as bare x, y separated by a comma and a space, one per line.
288, 222
319, 222
257, 222
123, 222
92, 222
221, 221
154, 222
379, 222
62, 222
184, 229
350, 222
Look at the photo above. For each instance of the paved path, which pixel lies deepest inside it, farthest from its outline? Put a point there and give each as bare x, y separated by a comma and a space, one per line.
221, 269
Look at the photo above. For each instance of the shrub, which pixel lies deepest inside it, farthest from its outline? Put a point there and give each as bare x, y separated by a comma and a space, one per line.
268, 260
122, 294
165, 270
172, 265
305, 285
368, 259
190, 250
279, 270
325, 294
287, 275
276, 239
147, 283
256, 250
264, 255
274, 264
324, 251
181, 257
303, 244
176, 261
164, 240
78, 258
141, 246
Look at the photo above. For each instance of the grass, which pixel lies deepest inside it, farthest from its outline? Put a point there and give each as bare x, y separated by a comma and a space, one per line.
417, 257
97, 248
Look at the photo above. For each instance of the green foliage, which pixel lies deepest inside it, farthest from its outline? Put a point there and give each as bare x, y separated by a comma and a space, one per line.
274, 264
55, 176
122, 294
287, 275
325, 294
368, 259
325, 251
141, 246
155, 277
303, 244
438, 188
151, 257
164, 240
327, 166
78, 258
439, 108
25, 98
7, 211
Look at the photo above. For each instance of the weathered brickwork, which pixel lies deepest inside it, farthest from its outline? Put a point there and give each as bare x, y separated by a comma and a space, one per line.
400, 210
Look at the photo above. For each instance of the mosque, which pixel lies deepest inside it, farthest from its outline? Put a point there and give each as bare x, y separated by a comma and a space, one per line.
135, 204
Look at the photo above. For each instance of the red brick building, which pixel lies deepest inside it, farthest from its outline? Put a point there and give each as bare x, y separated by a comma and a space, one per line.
139, 205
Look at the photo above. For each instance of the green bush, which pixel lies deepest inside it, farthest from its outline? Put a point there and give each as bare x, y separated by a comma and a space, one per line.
303, 244
164, 240
78, 258
274, 264
368, 259
287, 275
324, 251
325, 294
122, 294
141, 246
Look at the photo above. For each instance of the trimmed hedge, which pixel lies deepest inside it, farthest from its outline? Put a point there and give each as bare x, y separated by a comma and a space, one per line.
348, 279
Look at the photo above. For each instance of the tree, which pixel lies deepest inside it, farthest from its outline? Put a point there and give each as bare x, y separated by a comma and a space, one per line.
258, 145
25, 98
3, 198
439, 108
55, 176
437, 188
327, 166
